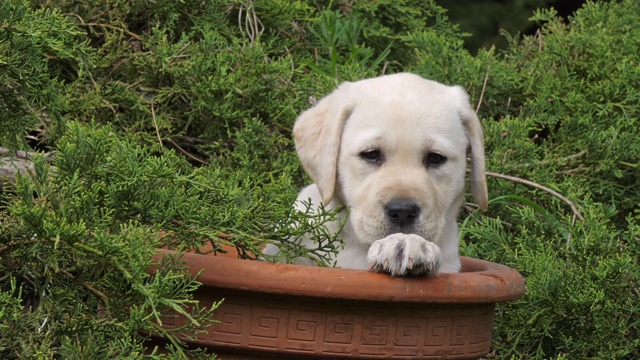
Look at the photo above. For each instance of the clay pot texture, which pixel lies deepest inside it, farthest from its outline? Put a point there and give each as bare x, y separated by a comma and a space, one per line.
282, 311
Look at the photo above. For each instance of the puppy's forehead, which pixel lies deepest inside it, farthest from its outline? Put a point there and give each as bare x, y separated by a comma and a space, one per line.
404, 85
415, 112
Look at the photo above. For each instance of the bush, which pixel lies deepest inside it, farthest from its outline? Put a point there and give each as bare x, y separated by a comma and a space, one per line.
167, 124
559, 109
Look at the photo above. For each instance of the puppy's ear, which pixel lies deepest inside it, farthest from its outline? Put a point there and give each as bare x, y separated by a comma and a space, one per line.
473, 130
317, 134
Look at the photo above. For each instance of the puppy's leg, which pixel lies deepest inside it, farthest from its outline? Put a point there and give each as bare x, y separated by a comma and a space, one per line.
404, 254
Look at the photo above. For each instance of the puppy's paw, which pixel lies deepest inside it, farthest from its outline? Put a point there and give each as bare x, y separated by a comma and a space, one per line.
404, 254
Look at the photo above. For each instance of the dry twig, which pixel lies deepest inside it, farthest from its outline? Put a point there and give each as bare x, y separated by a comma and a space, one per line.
186, 152
252, 25
484, 87
86, 285
559, 160
576, 213
107, 26
155, 123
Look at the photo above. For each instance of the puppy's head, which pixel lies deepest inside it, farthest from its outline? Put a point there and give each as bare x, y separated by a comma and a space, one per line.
394, 150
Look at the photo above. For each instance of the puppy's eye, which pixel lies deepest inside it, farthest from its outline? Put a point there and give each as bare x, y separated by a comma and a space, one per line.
372, 156
434, 159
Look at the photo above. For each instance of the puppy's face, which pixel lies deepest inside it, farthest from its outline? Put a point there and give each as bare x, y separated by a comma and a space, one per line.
401, 164
394, 150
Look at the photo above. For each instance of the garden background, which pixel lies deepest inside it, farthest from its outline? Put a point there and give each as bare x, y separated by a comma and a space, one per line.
167, 123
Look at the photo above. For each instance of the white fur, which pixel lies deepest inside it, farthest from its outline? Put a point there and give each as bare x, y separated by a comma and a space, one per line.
404, 117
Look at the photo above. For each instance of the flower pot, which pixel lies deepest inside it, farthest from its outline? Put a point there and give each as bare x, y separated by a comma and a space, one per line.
284, 311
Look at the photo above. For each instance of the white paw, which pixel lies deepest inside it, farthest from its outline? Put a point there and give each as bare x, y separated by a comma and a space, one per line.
404, 254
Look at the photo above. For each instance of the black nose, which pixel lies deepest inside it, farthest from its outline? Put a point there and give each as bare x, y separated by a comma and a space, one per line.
402, 212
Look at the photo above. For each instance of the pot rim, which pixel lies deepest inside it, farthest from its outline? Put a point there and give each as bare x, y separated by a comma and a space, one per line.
478, 282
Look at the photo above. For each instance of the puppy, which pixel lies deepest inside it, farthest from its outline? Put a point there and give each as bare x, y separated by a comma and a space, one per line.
392, 151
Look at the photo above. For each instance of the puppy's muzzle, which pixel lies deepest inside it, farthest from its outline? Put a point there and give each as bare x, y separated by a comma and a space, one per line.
402, 212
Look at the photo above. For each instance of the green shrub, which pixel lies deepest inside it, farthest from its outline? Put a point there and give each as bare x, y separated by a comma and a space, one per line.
75, 249
560, 109
170, 123
37, 48
78, 235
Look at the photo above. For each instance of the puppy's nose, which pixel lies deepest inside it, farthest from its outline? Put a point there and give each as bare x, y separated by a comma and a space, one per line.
402, 212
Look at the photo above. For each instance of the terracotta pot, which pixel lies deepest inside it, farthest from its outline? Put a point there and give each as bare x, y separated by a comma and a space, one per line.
283, 311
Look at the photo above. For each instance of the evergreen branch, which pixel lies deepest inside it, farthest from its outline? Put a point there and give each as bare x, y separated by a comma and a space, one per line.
176, 342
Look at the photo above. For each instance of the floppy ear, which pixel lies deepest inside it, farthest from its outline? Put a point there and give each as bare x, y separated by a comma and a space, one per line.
473, 131
317, 134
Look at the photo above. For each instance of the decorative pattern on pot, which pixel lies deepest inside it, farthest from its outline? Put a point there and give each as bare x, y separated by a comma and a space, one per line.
290, 311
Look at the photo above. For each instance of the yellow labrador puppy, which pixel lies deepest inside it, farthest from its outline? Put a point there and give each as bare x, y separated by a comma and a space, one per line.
393, 151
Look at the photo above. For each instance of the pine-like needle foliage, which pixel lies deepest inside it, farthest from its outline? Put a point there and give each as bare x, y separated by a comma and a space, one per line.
167, 124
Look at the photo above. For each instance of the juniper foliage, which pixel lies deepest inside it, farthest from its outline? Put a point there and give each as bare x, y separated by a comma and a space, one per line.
168, 124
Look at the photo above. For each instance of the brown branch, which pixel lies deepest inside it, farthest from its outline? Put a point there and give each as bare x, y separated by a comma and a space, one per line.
133, 35
93, 24
539, 187
191, 140
86, 285
186, 152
